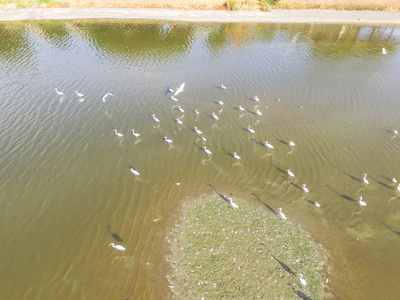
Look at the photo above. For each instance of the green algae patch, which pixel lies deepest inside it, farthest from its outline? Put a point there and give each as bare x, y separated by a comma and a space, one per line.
222, 253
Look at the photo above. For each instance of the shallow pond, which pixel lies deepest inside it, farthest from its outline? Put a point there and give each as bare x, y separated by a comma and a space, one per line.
67, 191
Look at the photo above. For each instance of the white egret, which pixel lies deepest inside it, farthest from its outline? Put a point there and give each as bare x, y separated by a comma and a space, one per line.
220, 103
198, 131
180, 109
394, 180
118, 247
317, 204
258, 112
58, 92
105, 96
233, 204
136, 173
204, 139
241, 108
215, 116
282, 214
305, 189
290, 173
398, 188
180, 89
173, 99
79, 94
269, 145
256, 99
384, 51
207, 151
179, 121
135, 133
237, 157
117, 133
223, 87
196, 112
154, 118
168, 140
361, 202
395, 132
291, 144
302, 281
365, 179
249, 129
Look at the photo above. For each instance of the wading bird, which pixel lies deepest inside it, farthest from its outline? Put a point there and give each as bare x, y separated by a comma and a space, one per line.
168, 140
179, 121
282, 214
58, 92
223, 87
106, 95
118, 247
220, 103
237, 157
361, 202
290, 173
180, 89
180, 109
198, 131
196, 112
317, 204
207, 151
173, 99
79, 94
154, 118
241, 108
117, 133
249, 129
135, 133
291, 144
384, 51
302, 281
305, 189
365, 179
258, 112
233, 204
215, 116
136, 173
269, 145
256, 99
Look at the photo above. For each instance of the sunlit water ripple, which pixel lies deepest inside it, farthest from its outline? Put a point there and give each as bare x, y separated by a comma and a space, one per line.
65, 174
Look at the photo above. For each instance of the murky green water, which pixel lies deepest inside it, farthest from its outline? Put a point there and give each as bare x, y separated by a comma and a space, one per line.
65, 174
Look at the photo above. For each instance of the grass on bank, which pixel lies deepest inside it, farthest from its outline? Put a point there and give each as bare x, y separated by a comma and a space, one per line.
247, 253
29, 3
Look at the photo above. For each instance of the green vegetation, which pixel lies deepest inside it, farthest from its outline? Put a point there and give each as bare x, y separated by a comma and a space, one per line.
30, 3
264, 5
248, 253
234, 4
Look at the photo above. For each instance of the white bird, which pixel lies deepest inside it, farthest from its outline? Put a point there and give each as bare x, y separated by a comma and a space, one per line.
117, 133
196, 112
317, 204
215, 116
168, 140
169, 90
119, 247
249, 129
223, 87
58, 92
79, 94
365, 179
269, 145
282, 214
233, 204
290, 173
305, 189
180, 109
135, 133
136, 173
237, 157
395, 132
180, 89
179, 121
154, 118
207, 151
398, 188
204, 139
105, 96
302, 281
256, 99
173, 99
258, 112
198, 131
362, 203
241, 108
220, 103
291, 144
384, 51
394, 180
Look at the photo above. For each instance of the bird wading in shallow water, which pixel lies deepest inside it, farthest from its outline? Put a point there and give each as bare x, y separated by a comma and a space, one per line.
117, 133
118, 247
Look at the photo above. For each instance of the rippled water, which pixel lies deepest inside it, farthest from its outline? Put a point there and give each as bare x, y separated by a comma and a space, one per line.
65, 174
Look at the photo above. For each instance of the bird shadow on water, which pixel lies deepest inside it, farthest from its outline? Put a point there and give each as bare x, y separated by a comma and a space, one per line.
348, 198
380, 182
219, 194
114, 235
349, 175
265, 204
283, 265
394, 231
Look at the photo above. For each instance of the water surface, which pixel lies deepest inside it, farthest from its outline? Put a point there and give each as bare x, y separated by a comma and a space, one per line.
65, 174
